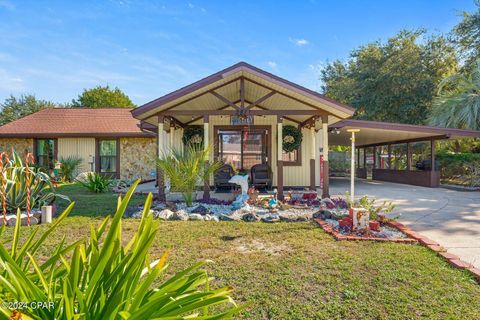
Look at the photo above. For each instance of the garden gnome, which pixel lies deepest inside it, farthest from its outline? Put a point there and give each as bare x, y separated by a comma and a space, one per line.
273, 202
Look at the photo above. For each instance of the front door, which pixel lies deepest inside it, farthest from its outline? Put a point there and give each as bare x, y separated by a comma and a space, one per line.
242, 147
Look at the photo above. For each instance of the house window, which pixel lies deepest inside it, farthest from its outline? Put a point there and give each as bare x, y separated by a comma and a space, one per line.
107, 156
45, 153
242, 148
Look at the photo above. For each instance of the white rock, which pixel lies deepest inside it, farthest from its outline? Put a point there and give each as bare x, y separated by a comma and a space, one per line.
179, 215
165, 214
196, 216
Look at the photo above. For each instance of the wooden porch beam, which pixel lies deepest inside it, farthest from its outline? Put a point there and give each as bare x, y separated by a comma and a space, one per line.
242, 92
201, 117
197, 95
288, 96
250, 112
260, 100
225, 100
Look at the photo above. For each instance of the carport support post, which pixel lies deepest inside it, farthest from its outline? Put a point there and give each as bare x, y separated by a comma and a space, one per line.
206, 183
326, 182
352, 165
409, 157
280, 157
161, 151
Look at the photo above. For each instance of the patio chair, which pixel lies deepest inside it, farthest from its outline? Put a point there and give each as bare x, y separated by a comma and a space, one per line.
222, 176
261, 175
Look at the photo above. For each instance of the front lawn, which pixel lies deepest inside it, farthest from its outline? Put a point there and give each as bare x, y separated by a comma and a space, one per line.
297, 271
88, 203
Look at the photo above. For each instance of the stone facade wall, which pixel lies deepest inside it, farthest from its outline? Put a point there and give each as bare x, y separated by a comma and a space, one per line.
137, 158
20, 145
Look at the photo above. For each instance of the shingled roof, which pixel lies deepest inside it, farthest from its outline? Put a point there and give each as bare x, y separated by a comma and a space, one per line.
75, 122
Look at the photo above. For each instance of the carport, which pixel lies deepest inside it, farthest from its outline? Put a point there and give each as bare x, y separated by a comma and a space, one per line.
396, 152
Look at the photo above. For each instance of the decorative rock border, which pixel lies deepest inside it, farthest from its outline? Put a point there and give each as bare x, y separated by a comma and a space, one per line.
415, 237
338, 236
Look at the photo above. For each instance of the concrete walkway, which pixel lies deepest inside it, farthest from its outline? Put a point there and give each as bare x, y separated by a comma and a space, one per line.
451, 218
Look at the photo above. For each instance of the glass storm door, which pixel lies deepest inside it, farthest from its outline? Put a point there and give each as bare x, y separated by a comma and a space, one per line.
242, 148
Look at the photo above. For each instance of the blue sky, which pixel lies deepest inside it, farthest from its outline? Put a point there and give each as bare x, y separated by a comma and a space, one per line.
55, 49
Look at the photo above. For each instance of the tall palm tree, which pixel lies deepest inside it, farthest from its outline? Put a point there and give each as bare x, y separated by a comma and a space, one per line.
458, 102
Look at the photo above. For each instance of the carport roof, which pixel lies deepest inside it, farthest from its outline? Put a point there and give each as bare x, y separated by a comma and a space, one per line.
377, 133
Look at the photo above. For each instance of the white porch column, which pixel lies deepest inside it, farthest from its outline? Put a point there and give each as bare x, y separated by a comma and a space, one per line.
206, 143
280, 157
312, 157
326, 182
161, 151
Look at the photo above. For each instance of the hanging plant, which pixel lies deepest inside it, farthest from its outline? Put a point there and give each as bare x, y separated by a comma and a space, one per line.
193, 136
292, 138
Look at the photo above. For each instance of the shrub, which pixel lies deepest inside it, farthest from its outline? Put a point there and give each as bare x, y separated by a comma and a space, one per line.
375, 210
187, 168
69, 167
96, 182
105, 279
463, 165
42, 191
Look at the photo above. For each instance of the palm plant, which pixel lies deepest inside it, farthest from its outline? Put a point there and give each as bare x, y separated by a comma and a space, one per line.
458, 102
69, 167
42, 191
104, 279
187, 168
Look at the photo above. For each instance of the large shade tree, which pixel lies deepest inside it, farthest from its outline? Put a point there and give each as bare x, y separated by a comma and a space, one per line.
392, 81
466, 36
14, 108
458, 102
103, 97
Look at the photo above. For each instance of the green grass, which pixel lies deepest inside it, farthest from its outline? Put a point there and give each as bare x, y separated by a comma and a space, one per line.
297, 271
88, 203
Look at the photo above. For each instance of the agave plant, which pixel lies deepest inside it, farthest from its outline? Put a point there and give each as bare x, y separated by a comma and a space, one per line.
105, 279
186, 168
42, 191
96, 182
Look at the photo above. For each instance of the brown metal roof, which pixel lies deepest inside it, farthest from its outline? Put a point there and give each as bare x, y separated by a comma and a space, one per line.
374, 132
248, 71
75, 122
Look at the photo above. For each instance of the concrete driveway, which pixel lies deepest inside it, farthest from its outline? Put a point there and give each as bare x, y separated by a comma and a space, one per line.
451, 218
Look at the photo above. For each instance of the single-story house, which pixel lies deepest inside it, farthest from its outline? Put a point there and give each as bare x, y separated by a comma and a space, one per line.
242, 112
107, 140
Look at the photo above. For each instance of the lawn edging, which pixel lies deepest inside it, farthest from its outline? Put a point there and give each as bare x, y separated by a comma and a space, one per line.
415, 237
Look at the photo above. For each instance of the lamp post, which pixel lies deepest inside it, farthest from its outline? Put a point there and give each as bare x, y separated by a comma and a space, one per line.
352, 163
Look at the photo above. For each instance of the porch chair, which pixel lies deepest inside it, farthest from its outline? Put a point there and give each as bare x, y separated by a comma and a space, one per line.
261, 175
222, 176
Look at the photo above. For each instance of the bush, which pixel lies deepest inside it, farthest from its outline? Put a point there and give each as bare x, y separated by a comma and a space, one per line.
462, 165
96, 182
69, 167
105, 279
42, 191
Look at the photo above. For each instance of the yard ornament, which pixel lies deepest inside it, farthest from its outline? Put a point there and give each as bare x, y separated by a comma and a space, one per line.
242, 198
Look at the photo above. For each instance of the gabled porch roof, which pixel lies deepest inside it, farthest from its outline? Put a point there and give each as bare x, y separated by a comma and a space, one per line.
242, 87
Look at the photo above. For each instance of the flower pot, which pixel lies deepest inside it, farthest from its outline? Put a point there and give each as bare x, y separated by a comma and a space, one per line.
345, 223
374, 225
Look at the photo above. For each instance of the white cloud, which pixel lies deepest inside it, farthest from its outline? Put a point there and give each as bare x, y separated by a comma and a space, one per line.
190, 5
299, 42
10, 83
272, 64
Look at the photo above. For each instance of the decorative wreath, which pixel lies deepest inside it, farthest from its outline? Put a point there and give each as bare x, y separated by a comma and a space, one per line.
292, 138
193, 136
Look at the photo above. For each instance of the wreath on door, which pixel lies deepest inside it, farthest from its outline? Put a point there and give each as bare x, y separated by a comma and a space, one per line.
292, 138
193, 136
